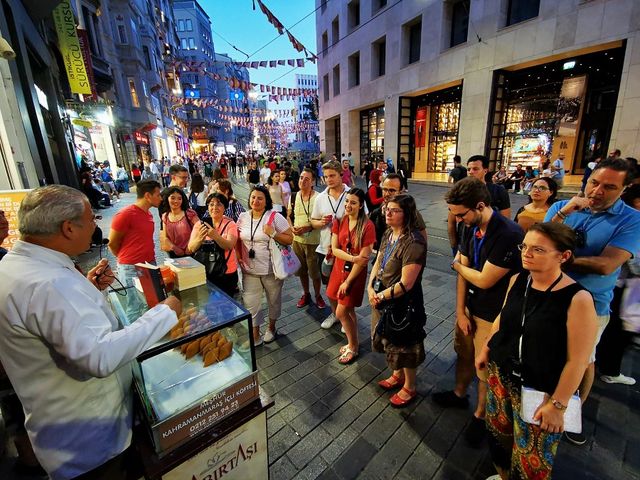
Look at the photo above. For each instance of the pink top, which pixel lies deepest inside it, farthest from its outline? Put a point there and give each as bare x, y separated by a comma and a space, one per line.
231, 230
346, 177
179, 232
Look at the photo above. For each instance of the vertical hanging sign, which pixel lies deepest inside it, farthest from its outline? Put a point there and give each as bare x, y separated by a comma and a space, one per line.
83, 37
69, 46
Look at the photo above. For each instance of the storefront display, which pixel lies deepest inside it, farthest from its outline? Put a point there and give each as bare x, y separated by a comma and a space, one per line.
202, 371
372, 134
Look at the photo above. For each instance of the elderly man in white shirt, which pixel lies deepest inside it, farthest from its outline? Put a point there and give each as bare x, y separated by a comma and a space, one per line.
60, 344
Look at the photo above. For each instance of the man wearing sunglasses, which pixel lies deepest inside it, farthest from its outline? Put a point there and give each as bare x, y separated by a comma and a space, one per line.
488, 256
608, 233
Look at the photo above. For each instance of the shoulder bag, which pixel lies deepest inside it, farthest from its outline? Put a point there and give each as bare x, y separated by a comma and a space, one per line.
402, 320
213, 257
284, 261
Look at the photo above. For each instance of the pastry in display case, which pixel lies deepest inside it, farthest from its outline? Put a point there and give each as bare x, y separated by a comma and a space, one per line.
203, 370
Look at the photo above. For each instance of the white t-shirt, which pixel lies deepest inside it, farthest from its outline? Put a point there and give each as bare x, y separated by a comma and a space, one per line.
261, 263
286, 192
265, 173
325, 205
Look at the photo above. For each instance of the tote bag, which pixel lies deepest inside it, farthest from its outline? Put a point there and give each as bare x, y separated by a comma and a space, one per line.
284, 260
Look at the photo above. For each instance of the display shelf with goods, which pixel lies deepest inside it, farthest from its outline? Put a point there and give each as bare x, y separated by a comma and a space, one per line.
443, 137
203, 370
528, 136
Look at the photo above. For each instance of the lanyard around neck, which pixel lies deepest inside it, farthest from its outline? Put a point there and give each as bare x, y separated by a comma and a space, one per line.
335, 210
253, 232
388, 251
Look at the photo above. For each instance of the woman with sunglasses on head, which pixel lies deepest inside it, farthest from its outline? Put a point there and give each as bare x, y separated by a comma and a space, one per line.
178, 221
542, 340
352, 240
395, 279
543, 194
257, 227
219, 229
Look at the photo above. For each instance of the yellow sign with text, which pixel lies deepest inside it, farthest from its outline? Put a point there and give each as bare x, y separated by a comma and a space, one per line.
70, 49
10, 203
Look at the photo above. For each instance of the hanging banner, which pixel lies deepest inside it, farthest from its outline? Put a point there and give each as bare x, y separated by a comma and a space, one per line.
10, 203
69, 46
83, 37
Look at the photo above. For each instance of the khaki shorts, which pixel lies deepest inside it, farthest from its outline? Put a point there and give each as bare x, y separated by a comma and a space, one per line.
306, 253
603, 321
468, 346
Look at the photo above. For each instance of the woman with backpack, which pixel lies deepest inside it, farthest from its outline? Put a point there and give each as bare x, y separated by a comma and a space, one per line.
216, 237
178, 221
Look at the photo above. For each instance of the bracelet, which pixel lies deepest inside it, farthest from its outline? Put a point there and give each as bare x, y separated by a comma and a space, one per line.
273, 234
562, 216
557, 404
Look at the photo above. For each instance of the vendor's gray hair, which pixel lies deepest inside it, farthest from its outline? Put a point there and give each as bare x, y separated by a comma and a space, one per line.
44, 209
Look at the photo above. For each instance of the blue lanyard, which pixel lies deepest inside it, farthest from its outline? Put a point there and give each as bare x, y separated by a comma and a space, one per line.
477, 246
388, 251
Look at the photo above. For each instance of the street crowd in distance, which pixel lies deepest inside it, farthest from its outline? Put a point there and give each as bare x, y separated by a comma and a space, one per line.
541, 300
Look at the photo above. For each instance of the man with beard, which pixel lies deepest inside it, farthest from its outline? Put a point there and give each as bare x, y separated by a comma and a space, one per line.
488, 255
607, 233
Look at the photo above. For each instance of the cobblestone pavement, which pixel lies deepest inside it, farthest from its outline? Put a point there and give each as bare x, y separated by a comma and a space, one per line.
333, 422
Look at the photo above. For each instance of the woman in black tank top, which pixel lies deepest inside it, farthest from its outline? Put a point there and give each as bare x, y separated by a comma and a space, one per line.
542, 340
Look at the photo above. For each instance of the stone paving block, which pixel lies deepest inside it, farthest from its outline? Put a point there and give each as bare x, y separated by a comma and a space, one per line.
339, 445
423, 463
447, 428
417, 424
281, 400
354, 459
340, 419
462, 454
279, 368
310, 419
327, 385
336, 397
329, 474
277, 384
306, 367
384, 426
310, 446
313, 470
282, 469
281, 442
363, 375
366, 396
298, 406
274, 424
370, 414
386, 463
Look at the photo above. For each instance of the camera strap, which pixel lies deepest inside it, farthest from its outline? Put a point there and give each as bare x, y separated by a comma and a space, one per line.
523, 314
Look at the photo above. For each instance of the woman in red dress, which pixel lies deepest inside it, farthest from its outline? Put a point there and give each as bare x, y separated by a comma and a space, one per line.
352, 241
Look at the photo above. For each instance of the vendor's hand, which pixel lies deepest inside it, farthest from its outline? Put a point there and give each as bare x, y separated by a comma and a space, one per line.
101, 275
482, 358
174, 304
268, 229
551, 418
362, 261
464, 323
576, 204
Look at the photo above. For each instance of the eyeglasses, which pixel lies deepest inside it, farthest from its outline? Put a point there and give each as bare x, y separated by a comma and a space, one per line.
540, 188
389, 190
524, 248
183, 177
392, 211
461, 215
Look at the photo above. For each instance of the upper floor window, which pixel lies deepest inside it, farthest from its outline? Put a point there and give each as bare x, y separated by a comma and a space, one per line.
353, 14
411, 40
335, 30
378, 5
521, 10
181, 25
188, 25
459, 22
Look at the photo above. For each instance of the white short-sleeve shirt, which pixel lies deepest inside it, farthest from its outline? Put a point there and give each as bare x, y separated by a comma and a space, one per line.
261, 263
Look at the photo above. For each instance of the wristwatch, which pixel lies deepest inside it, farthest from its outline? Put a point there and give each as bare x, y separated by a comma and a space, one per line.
273, 234
557, 404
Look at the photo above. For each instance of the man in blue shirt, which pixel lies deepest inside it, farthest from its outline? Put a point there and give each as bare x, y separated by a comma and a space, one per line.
608, 234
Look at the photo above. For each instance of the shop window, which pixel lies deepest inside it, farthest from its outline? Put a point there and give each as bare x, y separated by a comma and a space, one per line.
336, 80
521, 10
325, 43
181, 25
325, 87
353, 14
335, 30
459, 22
372, 134
378, 5
378, 57
354, 70
411, 39
135, 101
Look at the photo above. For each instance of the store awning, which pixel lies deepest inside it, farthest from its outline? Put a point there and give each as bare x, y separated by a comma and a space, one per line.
148, 127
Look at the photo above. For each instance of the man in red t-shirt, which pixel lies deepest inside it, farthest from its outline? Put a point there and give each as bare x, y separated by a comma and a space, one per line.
131, 236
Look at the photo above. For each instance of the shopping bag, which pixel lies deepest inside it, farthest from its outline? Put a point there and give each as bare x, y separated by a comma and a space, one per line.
284, 261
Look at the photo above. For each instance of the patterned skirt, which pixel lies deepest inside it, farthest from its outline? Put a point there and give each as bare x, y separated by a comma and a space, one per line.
522, 449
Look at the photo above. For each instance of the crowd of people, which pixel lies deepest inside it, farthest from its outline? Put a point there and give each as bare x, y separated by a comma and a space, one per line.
538, 298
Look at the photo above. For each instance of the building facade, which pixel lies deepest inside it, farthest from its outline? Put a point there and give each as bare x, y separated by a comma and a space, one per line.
305, 108
517, 80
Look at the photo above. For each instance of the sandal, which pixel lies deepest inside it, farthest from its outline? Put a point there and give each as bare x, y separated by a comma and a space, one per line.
387, 385
347, 356
399, 402
343, 349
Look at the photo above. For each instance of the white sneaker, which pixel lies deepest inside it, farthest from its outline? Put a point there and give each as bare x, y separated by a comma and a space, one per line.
342, 330
329, 321
622, 379
269, 336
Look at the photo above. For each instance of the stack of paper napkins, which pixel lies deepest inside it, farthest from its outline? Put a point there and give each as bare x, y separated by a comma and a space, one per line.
189, 273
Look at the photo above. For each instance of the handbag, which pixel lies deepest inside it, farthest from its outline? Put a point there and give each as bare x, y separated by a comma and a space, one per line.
401, 322
213, 257
284, 261
531, 399
630, 305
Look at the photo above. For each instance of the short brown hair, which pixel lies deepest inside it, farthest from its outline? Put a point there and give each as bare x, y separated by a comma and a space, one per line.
332, 165
468, 192
562, 236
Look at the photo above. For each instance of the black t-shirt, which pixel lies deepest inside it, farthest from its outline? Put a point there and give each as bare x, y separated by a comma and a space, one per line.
499, 197
500, 247
294, 177
458, 173
518, 175
254, 176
